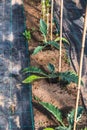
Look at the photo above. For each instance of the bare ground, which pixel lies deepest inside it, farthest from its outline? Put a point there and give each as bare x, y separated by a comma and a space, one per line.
62, 97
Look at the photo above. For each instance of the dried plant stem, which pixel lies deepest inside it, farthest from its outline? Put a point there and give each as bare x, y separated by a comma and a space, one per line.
43, 9
61, 22
47, 20
52, 20
80, 69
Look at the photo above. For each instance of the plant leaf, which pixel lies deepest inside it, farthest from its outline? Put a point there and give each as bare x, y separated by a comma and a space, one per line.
70, 117
27, 35
65, 76
32, 78
80, 112
48, 129
38, 49
64, 40
51, 68
62, 128
53, 75
69, 76
43, 27
35, 70
84, 128
53, 43
53, 110
36, 98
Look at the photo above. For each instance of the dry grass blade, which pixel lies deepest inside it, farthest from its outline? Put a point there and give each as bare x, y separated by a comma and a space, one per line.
61, 22
52, 20
47, 10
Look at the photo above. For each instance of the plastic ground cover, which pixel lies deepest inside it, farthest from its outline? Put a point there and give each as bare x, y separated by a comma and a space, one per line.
15, 98
73, 20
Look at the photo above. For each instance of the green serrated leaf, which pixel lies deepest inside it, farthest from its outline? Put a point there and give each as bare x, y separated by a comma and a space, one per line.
70, 117
54, 44
43, 27
51, 68
80, 112
62, 128
69, 76
32, 78
54, 75
53, 110
64, 40
35, 70
38, 49
48, 129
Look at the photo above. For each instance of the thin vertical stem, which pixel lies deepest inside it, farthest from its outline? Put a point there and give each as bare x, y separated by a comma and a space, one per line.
47, 14
47, 20
43, 9
80, 69
52, 20
61, 22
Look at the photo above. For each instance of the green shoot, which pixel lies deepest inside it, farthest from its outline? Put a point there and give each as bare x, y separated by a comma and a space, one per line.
27, 35
43, 29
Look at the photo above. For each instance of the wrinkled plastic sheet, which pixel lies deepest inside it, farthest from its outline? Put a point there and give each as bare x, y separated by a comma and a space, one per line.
73, 20
15, 97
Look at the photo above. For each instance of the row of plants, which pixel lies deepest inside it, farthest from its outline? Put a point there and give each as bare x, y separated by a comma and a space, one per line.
66, 77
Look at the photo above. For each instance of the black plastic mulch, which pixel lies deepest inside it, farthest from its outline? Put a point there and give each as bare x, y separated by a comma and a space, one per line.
73, 20
15, 98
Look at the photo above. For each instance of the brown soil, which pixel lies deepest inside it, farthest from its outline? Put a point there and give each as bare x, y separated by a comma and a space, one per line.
62, 97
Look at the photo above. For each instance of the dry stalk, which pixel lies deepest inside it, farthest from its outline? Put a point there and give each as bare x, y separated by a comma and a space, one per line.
61, 22
52, 3
43, 9
47, 20
80, 68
